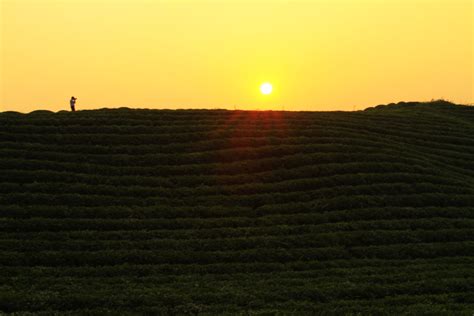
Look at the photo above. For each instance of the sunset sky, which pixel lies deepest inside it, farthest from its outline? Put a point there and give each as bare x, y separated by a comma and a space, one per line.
318, 55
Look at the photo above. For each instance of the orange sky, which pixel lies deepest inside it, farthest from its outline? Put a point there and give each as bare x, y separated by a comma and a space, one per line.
319, 55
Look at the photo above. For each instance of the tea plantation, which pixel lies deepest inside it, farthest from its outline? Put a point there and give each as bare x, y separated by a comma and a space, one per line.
116, 212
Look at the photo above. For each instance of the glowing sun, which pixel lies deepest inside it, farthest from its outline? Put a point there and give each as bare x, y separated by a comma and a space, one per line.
266, 88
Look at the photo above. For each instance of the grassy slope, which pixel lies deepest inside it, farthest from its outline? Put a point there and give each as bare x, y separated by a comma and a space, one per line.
227, 211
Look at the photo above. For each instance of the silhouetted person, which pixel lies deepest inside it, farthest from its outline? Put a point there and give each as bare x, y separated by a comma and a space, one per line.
73, 103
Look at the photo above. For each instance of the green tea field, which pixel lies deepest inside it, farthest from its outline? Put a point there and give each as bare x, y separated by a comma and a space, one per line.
158, 212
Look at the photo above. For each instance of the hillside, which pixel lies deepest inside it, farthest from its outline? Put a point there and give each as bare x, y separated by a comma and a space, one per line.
214, 212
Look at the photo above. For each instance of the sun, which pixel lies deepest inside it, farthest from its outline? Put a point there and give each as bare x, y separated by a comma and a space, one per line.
266, 88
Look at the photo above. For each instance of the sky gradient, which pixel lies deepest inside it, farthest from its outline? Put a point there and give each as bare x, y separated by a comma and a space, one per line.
319, 55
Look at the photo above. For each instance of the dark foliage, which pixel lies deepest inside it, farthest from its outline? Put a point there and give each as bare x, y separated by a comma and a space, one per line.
127, 211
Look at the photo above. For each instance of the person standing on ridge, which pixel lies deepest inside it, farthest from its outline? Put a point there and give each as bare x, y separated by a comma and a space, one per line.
73, 103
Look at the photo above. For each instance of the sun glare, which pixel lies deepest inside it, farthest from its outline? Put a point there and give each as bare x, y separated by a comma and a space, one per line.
266, 88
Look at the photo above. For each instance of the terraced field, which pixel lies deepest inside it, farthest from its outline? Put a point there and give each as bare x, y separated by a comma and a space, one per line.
223, 212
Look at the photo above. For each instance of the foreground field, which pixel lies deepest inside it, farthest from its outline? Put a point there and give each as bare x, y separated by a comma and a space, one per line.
215, 212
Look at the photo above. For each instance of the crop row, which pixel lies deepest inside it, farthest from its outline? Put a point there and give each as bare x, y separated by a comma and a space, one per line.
231, 168
313, 240
456, 161
342, 197
335, 267
226, 227
457, 168
452, 151
281, 125
221, 155
295, 269
329, 186
355, 169
169, 304
282, 255
324, 284
378, 277
415, 136
201, 146
269, 225
236, 293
